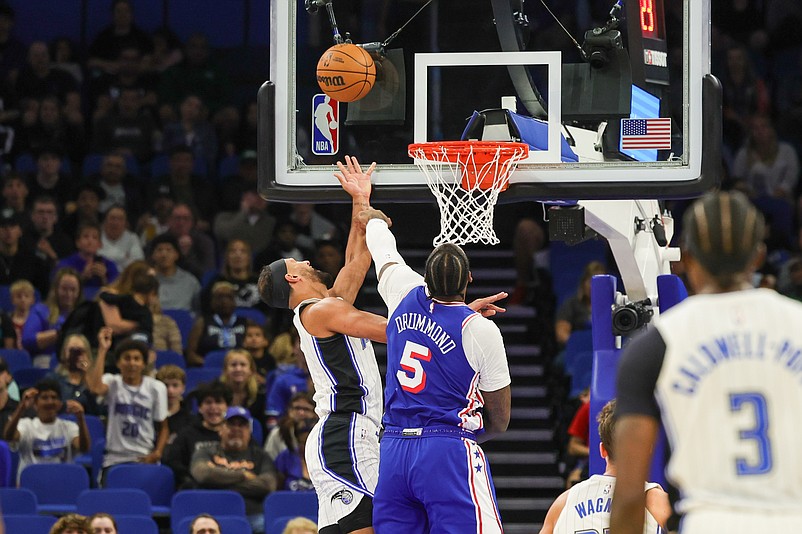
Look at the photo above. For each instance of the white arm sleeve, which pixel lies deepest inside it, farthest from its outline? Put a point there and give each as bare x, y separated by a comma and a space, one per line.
381, 244
397, 278
484, 349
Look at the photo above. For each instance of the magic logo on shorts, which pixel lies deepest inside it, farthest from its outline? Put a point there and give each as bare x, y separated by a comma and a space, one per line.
343, 495
325, 125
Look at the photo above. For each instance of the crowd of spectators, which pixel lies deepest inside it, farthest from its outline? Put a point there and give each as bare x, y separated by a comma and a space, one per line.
128, 203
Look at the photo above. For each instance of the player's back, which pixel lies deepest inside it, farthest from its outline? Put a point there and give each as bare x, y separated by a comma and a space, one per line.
730, 392
587, 508
429, 379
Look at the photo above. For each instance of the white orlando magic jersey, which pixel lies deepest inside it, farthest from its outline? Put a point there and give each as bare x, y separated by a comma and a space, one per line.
730, 394
587, 508
134, 417
344, 371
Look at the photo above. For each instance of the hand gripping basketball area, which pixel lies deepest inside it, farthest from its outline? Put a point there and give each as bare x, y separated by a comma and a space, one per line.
466, 178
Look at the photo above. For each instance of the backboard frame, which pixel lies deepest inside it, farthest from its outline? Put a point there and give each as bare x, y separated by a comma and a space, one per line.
283, 178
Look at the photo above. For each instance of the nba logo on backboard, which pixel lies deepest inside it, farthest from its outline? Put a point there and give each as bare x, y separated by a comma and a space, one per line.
325, 125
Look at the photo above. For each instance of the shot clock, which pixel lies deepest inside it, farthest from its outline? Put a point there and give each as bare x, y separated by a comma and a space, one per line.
647, 41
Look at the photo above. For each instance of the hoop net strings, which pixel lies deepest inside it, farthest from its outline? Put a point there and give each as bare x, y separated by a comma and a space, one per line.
466, 191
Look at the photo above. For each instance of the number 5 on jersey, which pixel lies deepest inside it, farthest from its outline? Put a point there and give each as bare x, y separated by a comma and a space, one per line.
412, 377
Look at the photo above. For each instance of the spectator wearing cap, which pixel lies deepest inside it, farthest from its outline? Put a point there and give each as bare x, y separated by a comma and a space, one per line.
49, 178
119, 244
45, 237
185, 187
118, 186
237, 464
178, 288
95, 270
87, 208
17, 262
197, 248
219, 329
252, 223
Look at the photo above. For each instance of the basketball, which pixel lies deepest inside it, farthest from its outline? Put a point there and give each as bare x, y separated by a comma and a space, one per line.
346, 72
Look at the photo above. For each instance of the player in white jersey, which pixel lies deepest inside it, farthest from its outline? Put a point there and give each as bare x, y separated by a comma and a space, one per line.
586, 506
335, 339
722, 371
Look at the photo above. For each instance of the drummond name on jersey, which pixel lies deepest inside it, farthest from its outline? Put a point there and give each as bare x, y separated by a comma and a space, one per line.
425, 325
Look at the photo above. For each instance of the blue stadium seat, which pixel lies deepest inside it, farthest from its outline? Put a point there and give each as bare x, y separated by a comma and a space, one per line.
16, 359
214, 359
190, 503
20, 501
184, 320
136, 524
170, 357
160, 166
5, 299
253, 314
281, 506
61, 497
25, 164
157, 481
229, 166
200, 375
91, 165
27, 377
94, 457
228, 523
29, 524
129, 501
63, 19
7, 467
222, 22
578, 360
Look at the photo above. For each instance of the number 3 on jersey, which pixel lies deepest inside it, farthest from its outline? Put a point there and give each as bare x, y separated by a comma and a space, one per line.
759, 433
412, 377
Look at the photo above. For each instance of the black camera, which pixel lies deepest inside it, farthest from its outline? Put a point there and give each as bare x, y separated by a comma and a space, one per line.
630, 317
598, 45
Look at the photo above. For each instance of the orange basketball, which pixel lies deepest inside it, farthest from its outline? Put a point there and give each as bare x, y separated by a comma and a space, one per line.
346, 72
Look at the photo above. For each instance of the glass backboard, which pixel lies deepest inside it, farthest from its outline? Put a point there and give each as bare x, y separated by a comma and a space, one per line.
629, 92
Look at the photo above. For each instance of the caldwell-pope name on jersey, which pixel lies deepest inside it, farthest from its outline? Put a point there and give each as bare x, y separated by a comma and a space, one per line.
734, 347
426, 326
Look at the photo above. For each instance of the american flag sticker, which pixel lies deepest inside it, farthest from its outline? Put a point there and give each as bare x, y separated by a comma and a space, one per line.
640, 134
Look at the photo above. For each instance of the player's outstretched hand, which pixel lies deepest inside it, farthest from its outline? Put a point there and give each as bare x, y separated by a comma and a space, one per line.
486, 305
370, 213
355, 182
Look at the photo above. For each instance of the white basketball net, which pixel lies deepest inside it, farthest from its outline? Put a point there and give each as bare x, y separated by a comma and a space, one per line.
467, 189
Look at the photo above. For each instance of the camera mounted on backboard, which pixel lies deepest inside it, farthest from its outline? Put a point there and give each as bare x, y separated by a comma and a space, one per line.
627, 318
600, 42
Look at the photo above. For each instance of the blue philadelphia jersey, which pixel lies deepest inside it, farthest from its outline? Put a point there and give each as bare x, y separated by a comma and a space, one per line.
429, 379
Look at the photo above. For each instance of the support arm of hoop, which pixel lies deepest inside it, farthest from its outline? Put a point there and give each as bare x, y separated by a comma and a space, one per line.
382, 245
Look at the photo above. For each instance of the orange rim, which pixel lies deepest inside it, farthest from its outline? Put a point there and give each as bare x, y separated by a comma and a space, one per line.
452, 149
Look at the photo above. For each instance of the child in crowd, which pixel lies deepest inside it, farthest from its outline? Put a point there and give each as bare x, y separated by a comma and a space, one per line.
256, 343
137, 428
175, 380
95, 270
46, 438
22, 298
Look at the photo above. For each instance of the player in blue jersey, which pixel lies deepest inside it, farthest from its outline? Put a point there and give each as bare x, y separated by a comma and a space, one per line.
448, 387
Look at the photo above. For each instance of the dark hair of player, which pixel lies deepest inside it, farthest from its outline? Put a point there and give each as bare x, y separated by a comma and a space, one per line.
447, 272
